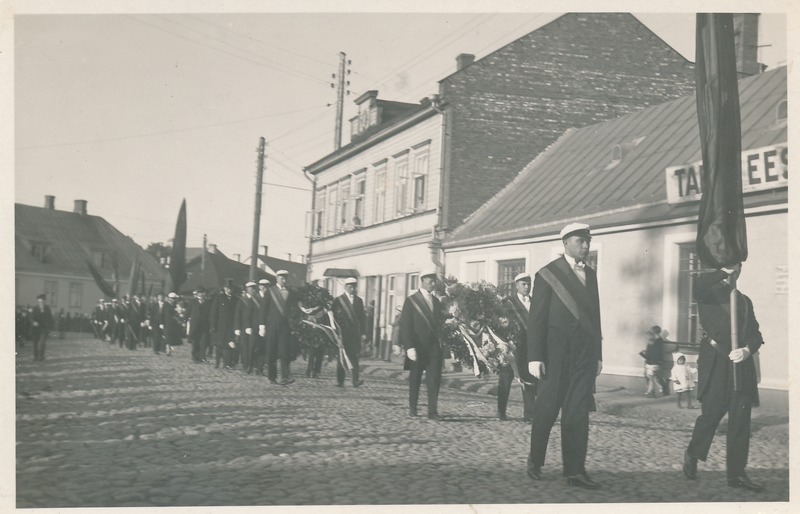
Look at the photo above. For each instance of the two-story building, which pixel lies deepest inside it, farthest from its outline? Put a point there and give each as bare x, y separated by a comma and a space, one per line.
635, 180
413, 172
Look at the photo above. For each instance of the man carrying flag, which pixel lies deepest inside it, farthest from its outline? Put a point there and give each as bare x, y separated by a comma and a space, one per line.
727, 381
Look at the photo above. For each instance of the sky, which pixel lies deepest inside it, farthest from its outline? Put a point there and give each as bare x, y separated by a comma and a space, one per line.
136, 111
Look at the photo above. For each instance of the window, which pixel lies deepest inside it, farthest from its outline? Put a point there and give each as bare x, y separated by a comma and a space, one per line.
75, 295
380, 193
401, 185
345, 204
333, 198
101, 259
319, 215
475, 271
782, 110
330, 285
390, 297
358, 203
413, 283
40, 251
51, 291
421, 163
506, 271
689, 330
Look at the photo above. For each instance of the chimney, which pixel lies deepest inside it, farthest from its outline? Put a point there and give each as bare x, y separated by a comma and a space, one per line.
80, 207
212, 248
264, 249
745, 33
50, 202
238, 257
464, 60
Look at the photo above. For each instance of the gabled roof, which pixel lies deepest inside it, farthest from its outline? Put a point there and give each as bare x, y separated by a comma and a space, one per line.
71, 238
219, 267
574, 178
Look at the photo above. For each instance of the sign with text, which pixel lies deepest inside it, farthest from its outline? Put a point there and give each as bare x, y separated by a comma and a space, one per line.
762, 168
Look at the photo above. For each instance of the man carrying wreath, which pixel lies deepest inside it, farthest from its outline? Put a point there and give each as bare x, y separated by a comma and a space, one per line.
565, 354
419, 336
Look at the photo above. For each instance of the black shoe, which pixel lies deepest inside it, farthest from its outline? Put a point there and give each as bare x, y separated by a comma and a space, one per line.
339, 384
689, 465
287, 382
273, 382
534, 471
434, 417
358, 384
412, 413
582, 480
502, 416
743, 482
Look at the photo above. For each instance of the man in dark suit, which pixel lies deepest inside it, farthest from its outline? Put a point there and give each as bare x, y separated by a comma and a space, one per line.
419, 336
42, 322
199, 325
260, 341
348, 310
248, 319
171, 323
715, 389
520, 302
565, 355
156, 318
223, 310
278, 330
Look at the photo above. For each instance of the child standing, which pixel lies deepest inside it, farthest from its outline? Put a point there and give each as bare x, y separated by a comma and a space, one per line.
683, 378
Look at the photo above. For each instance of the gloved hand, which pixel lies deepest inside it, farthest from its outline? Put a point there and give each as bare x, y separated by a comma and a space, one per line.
262, 330
248, 331
536, 368
161, 326
232, 344
237, 332
739, 354
412, 354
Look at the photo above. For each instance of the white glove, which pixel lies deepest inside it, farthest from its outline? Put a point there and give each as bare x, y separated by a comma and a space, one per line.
536, 368
161, 326
232, 345
599, 367
412, 354
262, 330
248, 331
237, 332
739, 354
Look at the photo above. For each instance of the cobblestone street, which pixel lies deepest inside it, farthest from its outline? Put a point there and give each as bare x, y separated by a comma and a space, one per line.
100, 426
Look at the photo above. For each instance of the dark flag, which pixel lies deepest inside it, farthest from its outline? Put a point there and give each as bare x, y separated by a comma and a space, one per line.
133, 280
721, 231
177, 260
141, 281
101, 283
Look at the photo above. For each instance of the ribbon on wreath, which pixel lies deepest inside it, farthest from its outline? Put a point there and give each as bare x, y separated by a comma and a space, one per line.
334, 337
474, 351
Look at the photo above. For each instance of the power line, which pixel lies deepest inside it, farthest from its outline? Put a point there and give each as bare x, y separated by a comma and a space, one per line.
173, 131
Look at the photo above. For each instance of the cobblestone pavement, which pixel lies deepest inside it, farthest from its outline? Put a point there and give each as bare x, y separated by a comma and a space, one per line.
100, 426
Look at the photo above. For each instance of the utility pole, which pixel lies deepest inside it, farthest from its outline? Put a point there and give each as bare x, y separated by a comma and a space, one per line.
257, 214
337, 138
203, 260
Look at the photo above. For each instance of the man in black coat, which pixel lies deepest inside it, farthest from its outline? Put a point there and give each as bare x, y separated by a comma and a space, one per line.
199, 325
420, 321
42, 323
156, 318
520, 302
278, 330
248, 320
565, 355
260, 341
715, 363
223, 310
348, 310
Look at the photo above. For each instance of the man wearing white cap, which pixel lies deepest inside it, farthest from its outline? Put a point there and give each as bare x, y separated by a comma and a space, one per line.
565, 355
278, 329
348, 310
419, 329
171, 323
520, 301
248, 318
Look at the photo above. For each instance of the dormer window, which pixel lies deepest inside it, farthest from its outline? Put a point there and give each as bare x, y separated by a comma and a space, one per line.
40, 251
367, 113
782, 110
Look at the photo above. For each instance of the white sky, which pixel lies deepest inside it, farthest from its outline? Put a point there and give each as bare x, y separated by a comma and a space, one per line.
134, 112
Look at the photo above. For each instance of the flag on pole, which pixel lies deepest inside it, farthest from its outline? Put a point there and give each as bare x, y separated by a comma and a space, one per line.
721, 232
177, 261
133, 280
101, 283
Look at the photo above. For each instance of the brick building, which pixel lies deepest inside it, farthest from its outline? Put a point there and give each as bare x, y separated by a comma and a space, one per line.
413, 172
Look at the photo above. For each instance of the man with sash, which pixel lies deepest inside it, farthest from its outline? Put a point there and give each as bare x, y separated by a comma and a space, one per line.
348, 310
260, 341
419, 337
223, 315
278, 330
715, 366
520, 303
248, 321
565, 355
199, 325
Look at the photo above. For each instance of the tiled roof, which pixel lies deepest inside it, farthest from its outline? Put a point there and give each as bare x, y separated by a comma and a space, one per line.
71, 238
574, 178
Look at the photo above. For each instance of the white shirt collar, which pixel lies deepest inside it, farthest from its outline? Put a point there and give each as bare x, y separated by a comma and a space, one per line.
571, 260
523, 296
425, 293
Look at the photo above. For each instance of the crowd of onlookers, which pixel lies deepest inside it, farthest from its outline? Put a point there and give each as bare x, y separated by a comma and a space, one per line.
680, 376
62, 322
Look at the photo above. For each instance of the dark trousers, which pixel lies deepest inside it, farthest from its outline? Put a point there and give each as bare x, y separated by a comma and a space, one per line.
199, 343
572, 395
506, 380
737, 406
130, 337
353, 352
433, 379
158, 338
278, 348
247, 352
39, 343
315, 357
259, 357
